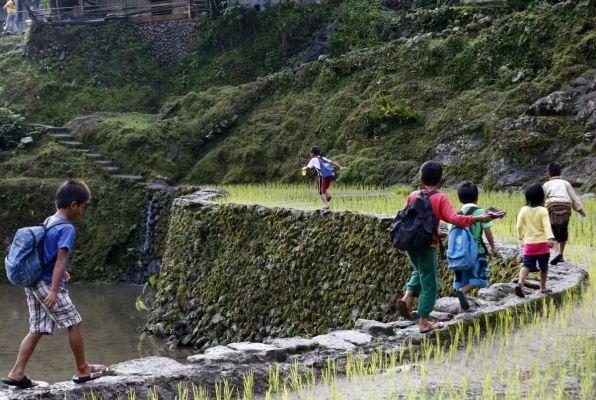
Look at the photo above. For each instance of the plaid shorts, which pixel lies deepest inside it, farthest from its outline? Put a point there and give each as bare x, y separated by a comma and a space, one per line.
41, 319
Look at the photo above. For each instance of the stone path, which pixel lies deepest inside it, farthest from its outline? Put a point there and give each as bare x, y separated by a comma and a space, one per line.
230, 361
65, 137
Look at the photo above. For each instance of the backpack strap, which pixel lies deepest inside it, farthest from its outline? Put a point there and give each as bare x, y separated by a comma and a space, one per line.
471, 211
441, 246
40, 246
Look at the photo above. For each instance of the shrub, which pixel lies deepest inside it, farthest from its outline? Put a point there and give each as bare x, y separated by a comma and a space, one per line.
12, 129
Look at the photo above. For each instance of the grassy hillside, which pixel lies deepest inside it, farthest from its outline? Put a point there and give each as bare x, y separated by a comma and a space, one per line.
457, 90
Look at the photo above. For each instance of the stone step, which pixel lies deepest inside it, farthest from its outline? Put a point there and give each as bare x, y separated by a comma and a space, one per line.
128, 177
62, 136
106, 163
94, 155
73, 143
111, 168
81, 150
50, 128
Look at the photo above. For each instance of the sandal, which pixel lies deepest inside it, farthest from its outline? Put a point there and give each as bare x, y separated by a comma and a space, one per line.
404, 310
97, 371
24, 383
433, 326
546, 291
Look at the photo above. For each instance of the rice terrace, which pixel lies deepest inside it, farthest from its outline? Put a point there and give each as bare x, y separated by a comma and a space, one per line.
298, 199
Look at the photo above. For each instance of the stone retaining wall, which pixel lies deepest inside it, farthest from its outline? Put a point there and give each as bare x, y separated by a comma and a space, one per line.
169, 40
246, 272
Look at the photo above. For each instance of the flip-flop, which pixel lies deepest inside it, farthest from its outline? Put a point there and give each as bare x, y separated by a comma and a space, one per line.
404, 310
97, 371
519, 291
546, 291
463, 300
24, 383
435, 325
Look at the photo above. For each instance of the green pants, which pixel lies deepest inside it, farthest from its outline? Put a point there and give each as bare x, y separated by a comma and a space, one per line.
424, 279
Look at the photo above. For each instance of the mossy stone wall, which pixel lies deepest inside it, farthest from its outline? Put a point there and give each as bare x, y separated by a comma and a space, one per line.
237, 272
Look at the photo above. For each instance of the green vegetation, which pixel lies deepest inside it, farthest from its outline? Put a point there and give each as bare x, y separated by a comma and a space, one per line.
381, 110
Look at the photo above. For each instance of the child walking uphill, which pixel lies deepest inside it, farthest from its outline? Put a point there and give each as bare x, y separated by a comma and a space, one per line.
424, 277
560, 198
325, 177
48, 301
466, 280
533, 227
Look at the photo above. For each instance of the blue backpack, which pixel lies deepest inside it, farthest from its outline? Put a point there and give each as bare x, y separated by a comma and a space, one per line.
24, 262
462, 249
326, 169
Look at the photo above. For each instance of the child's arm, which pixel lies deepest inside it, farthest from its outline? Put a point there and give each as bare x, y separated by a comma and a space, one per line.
336, 165
491, 241
550, 238
519, 226
575, 201
447, 213
59, 269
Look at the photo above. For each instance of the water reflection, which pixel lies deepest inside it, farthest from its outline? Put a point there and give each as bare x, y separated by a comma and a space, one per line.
110, 330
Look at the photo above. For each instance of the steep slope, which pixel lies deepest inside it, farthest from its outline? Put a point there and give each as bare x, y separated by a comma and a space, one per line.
475, 91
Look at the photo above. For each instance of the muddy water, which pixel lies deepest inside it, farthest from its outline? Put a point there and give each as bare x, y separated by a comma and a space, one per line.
110, 329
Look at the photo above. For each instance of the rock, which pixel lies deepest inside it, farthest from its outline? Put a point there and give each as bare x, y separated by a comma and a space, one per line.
354, 337
507, 288
374, 327
556, 103
450, 305
172, 152
294, 345
322, 57
490, 294
261, 350
441, 316
485, 22
333, 343
473, 27
148, 366
218, 355
401, 324
26, 140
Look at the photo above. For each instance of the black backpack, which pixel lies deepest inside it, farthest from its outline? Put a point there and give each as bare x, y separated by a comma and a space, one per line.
413, 227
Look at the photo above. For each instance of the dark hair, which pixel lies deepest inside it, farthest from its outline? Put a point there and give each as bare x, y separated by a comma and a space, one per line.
553, 169
431, 173
72, 191
467, 192
316, 150
534, 195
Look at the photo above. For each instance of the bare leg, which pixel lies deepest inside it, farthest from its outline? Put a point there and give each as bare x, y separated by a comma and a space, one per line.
562, 247
467, 288
325, 201
75, 340
543, 276
523, 274
408, 297
25, 351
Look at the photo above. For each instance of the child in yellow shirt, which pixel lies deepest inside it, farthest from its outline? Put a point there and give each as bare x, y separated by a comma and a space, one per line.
533, 227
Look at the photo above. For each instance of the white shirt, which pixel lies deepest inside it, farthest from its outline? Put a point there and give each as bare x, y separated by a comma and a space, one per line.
558, 190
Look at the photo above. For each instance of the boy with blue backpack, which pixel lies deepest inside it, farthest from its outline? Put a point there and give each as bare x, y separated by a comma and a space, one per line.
326, 173
416, 231
48, 301
467, 253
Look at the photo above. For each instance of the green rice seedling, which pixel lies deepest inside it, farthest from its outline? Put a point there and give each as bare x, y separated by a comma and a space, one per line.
182, 391
131, 394
350, 366
199, 392
295, 377
274, 378
329, 373
311, 378
248, 382
152, 395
